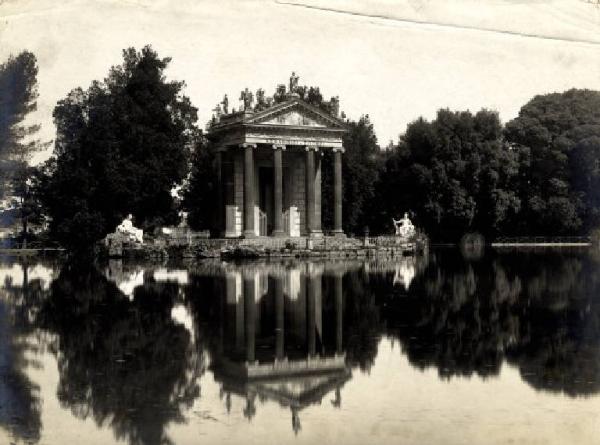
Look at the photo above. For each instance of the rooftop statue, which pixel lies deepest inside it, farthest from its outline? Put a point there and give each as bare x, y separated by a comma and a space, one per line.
334, 105
404, 227
225, 104
133, 233
247, 97
217, 111
261, 102
294, 82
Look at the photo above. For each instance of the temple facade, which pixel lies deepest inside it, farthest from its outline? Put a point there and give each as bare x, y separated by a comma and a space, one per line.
269, 164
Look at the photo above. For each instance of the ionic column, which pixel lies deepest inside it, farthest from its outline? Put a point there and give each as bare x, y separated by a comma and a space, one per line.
279, 319
310, 189
317, 218
220, 204
278, 190
249, 190
337, 191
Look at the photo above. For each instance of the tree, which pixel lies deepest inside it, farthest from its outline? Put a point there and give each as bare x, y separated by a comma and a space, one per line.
200, 192
561, 131
455, 173
18, 98
121, 147
360, 170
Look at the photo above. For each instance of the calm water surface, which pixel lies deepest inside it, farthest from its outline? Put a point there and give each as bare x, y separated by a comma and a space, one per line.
437, 350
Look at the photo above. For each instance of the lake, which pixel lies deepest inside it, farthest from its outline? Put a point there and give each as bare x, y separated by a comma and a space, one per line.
444, 349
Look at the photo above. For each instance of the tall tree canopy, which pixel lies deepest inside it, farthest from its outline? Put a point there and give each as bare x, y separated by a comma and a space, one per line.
455, 173
560, 187
121, 147
18, 98
360, 172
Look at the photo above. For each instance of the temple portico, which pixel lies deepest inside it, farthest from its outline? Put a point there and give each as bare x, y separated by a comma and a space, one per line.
269, 168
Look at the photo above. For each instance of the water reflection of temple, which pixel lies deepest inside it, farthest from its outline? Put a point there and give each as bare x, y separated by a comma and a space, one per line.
277, 341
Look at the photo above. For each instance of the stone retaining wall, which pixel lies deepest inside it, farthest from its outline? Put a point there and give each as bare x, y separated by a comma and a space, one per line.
325, 247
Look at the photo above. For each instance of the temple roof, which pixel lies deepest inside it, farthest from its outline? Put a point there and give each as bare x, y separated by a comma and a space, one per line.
294, 113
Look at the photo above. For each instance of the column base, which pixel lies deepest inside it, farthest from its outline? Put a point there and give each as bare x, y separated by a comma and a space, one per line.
249, 234
315, 234
338, 234
278, 234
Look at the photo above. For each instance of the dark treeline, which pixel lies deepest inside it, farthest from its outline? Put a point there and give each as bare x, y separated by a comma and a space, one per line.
464, 172
123, 144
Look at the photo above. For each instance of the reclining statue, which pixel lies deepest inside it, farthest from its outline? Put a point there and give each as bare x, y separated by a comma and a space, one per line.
133, 233
404, 227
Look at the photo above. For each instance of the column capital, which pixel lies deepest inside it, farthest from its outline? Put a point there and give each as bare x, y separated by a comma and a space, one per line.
247, 145
340, 149
311, 147
279, 146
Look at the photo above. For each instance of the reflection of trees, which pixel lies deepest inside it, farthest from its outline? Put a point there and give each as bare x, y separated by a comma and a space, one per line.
538, 310
559, 346
362, 324
125, 363
20, 404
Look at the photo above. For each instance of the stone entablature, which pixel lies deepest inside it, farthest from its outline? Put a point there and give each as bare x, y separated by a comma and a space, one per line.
281, 124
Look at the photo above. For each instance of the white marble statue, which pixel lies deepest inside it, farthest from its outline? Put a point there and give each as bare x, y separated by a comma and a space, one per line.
404, 227
127, 228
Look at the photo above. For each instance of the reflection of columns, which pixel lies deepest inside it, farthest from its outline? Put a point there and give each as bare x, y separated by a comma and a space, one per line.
278, 190
250, 316
310, 316
339, 312
313, 309
279, 319
249, 190
220, 204
310, 189
222, 315
337, 191
236, 295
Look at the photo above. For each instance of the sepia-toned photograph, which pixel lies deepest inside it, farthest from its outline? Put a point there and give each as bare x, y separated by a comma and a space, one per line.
299, 222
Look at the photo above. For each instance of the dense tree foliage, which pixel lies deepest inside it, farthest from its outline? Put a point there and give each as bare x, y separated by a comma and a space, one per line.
454, 174
559, 186
360, 170
200, 191
121, 147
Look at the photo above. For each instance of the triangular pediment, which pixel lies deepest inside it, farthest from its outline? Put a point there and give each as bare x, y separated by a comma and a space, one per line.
295, 118
297, 114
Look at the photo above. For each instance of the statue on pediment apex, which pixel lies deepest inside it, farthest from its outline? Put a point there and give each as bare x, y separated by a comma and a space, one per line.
294, 82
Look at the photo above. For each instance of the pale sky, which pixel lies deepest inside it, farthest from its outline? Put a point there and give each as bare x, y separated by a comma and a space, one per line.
394, 60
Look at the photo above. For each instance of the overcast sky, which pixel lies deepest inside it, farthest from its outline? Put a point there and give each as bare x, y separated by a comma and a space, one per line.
395, 60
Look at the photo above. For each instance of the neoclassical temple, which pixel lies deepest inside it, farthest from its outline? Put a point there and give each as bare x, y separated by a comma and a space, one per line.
269, 163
